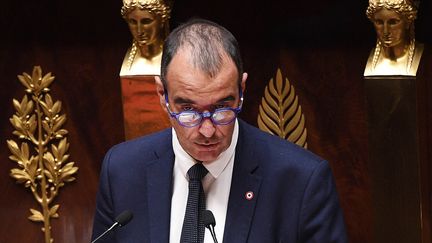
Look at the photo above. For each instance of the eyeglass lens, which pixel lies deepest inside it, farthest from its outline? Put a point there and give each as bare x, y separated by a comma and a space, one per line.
218, 117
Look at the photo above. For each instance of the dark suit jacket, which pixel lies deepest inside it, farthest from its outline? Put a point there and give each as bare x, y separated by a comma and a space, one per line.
295, 199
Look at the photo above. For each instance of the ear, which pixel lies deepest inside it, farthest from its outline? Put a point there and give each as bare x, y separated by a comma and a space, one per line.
243, 82
160, 92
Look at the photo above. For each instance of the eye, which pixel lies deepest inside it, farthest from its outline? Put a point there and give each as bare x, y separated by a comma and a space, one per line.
146, 21
187, 108
394, 21
379, 22
132, 21
220, 106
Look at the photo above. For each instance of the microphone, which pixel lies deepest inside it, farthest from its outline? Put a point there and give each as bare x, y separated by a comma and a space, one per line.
122, 219
210, 222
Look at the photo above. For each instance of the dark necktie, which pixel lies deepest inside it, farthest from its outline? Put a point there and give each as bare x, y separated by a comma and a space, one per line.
193, 227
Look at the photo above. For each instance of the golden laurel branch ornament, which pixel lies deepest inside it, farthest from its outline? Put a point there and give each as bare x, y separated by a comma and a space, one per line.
280, 113
38, 126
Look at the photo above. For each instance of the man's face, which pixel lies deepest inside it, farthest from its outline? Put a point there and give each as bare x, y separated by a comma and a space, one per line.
192, 89
144, 26
391, 28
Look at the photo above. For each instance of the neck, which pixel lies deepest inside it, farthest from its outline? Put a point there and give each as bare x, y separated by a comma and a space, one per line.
149, 51
395, 52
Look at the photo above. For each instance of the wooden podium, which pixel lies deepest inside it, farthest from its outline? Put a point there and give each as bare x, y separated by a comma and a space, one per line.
142, 110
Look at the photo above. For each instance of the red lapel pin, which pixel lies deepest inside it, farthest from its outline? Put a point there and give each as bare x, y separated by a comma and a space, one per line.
249, 195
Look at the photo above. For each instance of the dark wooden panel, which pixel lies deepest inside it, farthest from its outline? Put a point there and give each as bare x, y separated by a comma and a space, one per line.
394, 159
321, 46
424, 107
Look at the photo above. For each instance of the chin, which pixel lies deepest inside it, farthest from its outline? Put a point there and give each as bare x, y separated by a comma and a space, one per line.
206, 156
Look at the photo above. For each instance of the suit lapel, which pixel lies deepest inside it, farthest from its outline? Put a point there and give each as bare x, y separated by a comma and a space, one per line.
159, 186
244, 191
241, 208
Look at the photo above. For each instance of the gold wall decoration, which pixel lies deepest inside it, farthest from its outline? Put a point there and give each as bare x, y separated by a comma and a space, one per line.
41, 148
280, 113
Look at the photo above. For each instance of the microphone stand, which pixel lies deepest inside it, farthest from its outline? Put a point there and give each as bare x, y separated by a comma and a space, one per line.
213, 233
106, 231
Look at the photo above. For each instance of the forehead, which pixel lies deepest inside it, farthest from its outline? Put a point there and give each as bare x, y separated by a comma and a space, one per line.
140, 13
184, 78
384, 13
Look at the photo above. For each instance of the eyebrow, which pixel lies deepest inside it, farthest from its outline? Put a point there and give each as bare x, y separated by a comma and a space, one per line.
181, 100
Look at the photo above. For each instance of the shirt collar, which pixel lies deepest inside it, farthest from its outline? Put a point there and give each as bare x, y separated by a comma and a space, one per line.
215, 168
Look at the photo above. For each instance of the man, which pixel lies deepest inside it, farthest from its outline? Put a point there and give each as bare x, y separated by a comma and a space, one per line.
260, 188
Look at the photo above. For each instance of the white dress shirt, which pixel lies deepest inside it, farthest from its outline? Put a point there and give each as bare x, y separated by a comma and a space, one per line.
216, 184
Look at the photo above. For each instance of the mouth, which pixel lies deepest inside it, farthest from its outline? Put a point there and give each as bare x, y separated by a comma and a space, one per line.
387, 37
142, 38
387, 40
207, 146
142, 42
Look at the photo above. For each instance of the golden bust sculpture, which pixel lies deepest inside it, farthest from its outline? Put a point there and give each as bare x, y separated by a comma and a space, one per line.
148, 22
396, 51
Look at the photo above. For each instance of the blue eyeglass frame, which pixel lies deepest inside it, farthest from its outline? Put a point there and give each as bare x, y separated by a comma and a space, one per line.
206, 114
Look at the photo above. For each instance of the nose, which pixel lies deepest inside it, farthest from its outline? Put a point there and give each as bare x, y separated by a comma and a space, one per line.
386, 30
139, 28
207, 128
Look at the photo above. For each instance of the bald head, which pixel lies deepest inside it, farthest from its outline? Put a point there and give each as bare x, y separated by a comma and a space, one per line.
206, 42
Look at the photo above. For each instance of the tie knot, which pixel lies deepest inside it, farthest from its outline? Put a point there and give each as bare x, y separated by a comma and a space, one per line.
197, 172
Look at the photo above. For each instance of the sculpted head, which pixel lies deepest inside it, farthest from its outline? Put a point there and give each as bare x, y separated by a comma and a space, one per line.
147, 20
393, 20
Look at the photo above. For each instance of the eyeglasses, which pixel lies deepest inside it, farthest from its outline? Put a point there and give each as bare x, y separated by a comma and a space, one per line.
221, 116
